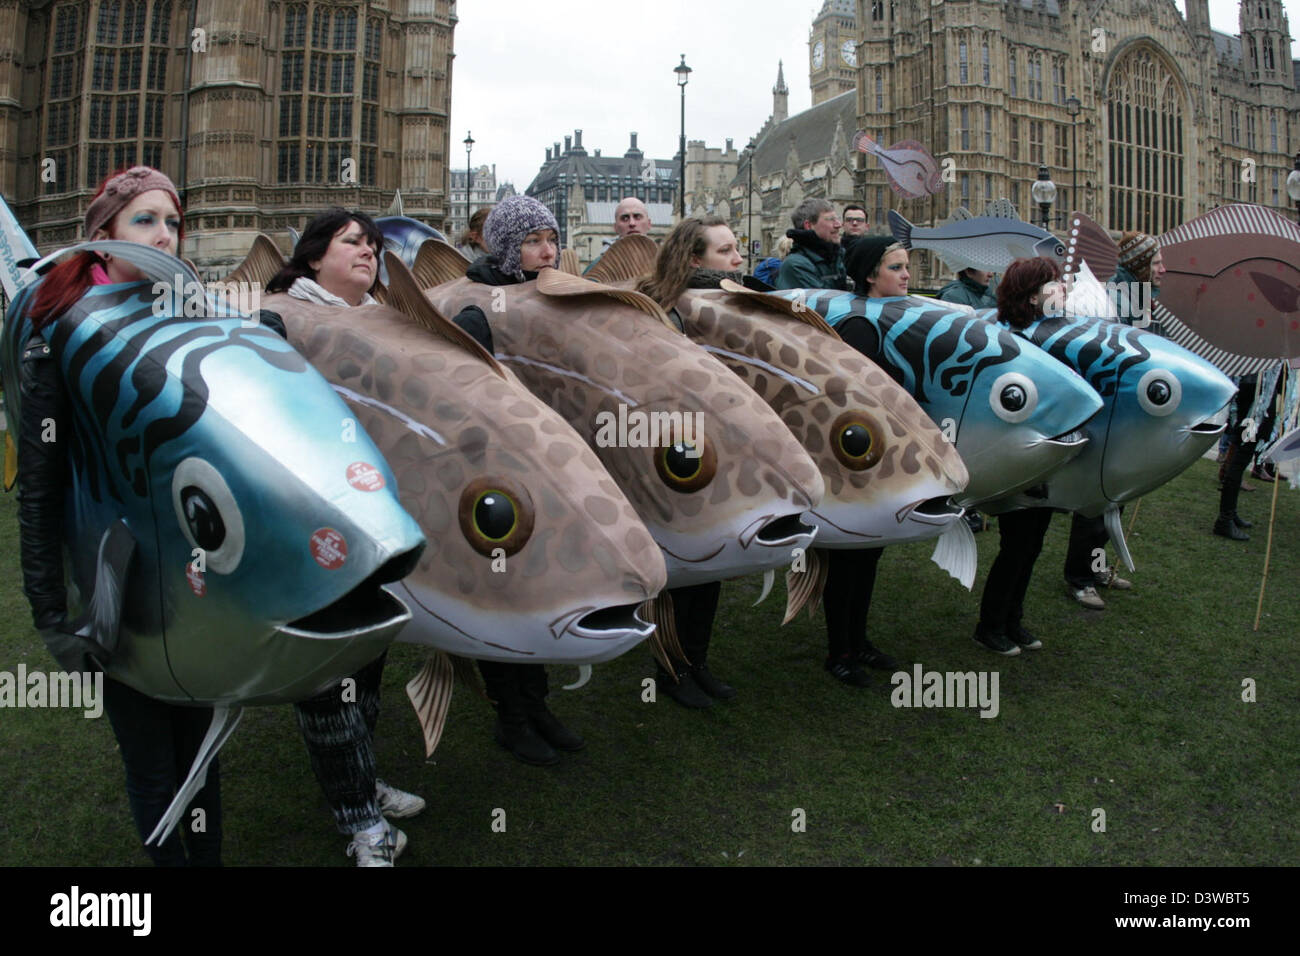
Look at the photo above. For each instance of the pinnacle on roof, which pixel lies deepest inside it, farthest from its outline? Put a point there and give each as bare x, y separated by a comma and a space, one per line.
780, 79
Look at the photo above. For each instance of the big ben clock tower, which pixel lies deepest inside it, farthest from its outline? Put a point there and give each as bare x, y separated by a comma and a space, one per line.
833, 51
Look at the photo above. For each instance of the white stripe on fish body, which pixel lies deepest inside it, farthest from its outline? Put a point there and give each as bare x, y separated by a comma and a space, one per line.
771, 369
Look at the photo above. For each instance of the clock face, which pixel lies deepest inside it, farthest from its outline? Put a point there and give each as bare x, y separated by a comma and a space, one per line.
849, 53
819, 55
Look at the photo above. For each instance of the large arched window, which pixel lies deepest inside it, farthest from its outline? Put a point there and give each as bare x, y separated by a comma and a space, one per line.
1144, 129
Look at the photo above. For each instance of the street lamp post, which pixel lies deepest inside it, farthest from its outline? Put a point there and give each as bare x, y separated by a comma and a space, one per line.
1073, 107
749, 202
683, 77
469, 146
1293, 186
1044, 193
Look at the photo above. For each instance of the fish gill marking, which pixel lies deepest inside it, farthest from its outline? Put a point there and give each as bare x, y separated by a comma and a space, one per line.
778, 372
567, 373
410, 423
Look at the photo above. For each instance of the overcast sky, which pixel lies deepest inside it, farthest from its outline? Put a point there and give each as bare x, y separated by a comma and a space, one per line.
527, 74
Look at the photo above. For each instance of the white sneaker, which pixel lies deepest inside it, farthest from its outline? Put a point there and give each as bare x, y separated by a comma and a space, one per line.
1087, 596
378, 849
396, 804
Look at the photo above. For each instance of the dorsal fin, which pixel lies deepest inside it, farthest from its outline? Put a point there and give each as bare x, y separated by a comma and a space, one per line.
294, 236
437, 262
405, 296
569, 262
557, 284
395, 207
1088, 241
260, 265
1001, 209
960, 213
629, 258
776, 303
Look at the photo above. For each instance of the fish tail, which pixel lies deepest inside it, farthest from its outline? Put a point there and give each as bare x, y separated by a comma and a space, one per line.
901, 228
863, 142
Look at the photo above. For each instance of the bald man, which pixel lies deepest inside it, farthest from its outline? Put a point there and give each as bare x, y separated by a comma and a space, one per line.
631, 217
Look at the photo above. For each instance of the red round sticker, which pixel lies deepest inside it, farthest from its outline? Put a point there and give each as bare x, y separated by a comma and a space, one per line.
364, 476
196, 580
329, 548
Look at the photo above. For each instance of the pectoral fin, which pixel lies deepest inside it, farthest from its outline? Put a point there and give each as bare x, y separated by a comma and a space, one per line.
1115, 528
956, 553
224, 722
103, 616
430, 693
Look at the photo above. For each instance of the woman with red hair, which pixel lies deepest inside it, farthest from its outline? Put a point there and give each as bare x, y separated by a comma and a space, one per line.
158, 740
1030, 288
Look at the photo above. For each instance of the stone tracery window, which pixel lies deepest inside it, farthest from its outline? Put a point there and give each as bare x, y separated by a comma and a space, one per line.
1144, 130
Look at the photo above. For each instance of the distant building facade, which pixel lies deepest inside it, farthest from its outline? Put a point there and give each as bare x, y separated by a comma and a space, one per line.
709, 172
482, 195
263, 114
582, 189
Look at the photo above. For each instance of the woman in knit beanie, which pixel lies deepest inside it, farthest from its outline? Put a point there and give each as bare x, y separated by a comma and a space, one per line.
522, 236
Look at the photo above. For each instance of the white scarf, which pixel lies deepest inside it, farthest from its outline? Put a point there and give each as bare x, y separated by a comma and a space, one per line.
312, 291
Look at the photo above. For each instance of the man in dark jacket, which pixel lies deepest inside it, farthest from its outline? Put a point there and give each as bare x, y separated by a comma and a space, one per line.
971, 287
855, 226
817, 261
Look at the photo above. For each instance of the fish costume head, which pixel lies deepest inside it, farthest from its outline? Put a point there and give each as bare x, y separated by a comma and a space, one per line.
224, 510
1013, 412
403, 237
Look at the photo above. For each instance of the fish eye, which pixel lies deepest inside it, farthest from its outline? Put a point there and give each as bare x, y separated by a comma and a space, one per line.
687, 466
857, 441
1013, 397
208, 514
1159, 392
495, 513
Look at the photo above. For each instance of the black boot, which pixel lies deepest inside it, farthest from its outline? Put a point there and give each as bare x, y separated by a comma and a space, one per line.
683, 689
504, 684
1227, 528
534, 688
1241, 522
710, 684
873, 657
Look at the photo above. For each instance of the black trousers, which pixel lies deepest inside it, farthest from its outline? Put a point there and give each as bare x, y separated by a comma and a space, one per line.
694, 608
515, 689
850, 580
1243, 451
1022, 534
339, 736
158, 743
1086, 536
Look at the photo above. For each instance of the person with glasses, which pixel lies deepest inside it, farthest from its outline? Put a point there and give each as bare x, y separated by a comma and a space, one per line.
855, 225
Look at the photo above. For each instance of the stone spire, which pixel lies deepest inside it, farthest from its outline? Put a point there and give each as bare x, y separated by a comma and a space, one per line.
780, 96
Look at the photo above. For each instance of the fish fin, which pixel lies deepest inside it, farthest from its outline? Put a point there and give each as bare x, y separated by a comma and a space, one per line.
224, 721
1087, 297
629, 258
405, 296
664, 643
294, 237
863, 143
557, 284
769, 578
1086, 240
584, 675
395, 207
794, 309
1280, 295
437, 262
912, 145
804, 588
103, 614
467, 675
11, 461
430, 693
261, 264
569, 262
1115, 528
960, 213
901, 228
956, 553
1285, 448
1001, 208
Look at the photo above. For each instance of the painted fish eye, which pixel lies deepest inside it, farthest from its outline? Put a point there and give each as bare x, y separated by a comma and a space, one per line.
686, 466
1159, 392
1013, 397
208, 515
496, 513
857, 441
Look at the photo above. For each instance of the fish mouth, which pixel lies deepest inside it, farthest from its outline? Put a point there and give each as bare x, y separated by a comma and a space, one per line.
1212, 425
776, 532
602, 624
1071, 439
369, 607
935, 511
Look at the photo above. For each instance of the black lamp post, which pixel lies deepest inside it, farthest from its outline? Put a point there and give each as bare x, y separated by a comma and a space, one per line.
683, 77
469, 147
749, 203
1293, 186
1044, 193
1073, 107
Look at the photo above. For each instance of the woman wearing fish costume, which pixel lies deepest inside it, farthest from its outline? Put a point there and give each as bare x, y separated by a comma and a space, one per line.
336, 262
158, 740
698, 254
524, 239
1025, 287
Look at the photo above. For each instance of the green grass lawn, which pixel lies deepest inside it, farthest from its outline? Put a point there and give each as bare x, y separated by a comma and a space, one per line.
1136, 711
